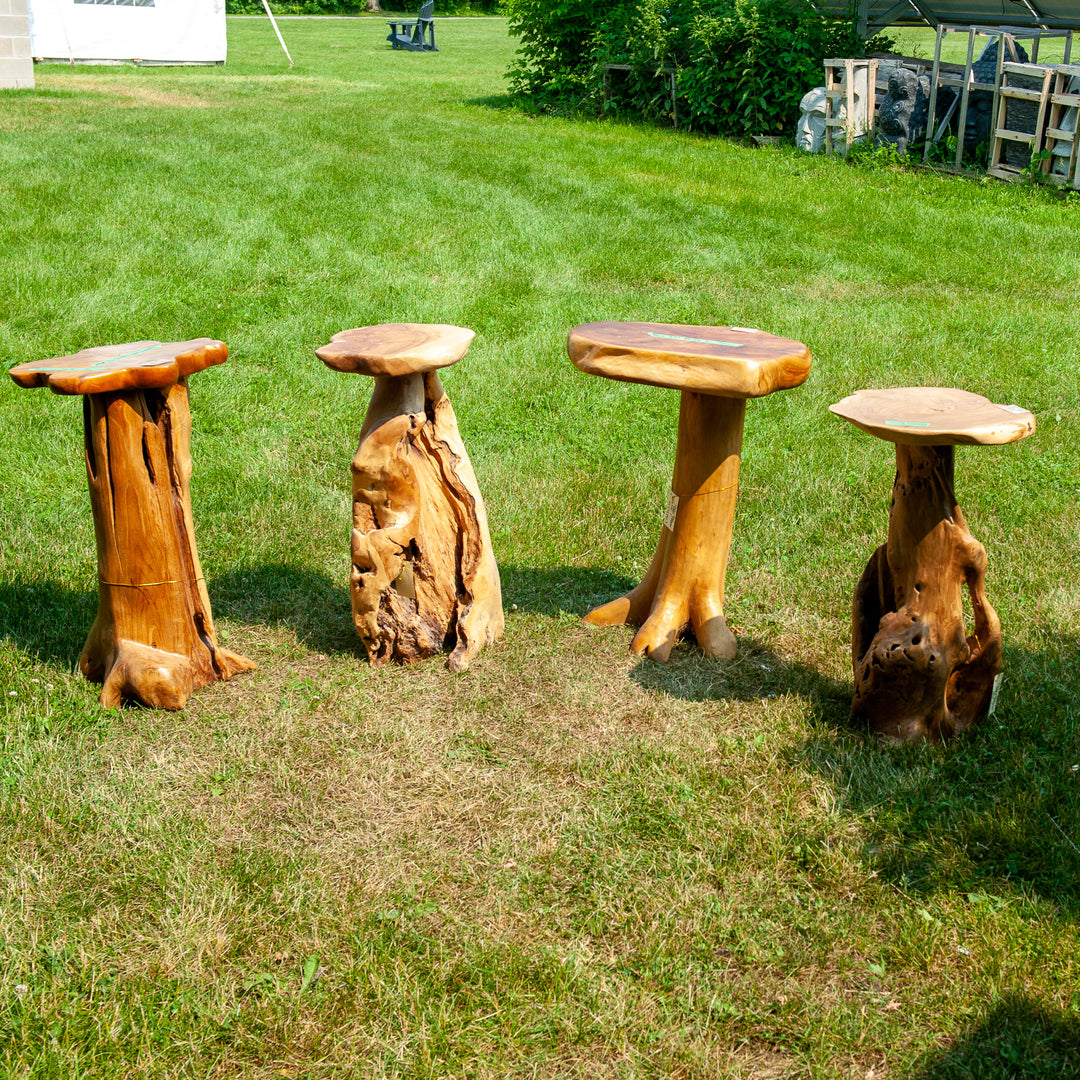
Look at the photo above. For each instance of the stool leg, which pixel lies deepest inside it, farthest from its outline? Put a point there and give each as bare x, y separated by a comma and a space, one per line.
918, 674
424, 576
684, 585
153, 638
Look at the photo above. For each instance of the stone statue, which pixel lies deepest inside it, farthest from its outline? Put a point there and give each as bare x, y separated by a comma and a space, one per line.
810, 134
903, 111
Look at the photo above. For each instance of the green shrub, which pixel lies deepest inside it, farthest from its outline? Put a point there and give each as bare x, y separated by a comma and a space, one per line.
742, 65
555, 60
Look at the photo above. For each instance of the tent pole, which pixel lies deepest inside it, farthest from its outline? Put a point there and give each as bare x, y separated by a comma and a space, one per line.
273, 22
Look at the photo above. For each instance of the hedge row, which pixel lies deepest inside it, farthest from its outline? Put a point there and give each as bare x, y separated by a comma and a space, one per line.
741, 65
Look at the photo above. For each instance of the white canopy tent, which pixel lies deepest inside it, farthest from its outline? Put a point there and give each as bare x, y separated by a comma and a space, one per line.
149, 31
875, 15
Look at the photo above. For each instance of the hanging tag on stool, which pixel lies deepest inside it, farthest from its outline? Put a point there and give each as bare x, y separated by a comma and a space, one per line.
994, 694
672, 511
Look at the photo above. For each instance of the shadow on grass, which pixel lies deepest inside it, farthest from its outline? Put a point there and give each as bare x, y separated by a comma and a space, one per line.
50, 621
501, 103
1016, 1040
46, 619
997, 809
561, 590
754, 674
316, 608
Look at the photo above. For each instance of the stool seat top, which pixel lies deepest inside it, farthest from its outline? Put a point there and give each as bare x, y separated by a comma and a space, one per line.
727, 361
136, 365
396, 348
935, 416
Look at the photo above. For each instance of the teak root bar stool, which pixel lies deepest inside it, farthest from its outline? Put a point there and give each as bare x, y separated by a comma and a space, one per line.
717, 369
918, 674
423, 572
153, 638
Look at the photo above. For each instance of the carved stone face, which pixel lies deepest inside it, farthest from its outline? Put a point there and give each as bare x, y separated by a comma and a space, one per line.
902, 116
894, 115
810, 133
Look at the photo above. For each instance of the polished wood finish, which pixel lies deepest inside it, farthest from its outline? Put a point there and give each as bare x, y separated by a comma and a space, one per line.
153, 639
726, 360
424, 576
918, 672
935, 416
137, 365
396, 348
717, 369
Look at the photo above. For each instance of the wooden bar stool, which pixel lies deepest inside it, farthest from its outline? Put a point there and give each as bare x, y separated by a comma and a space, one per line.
717, 369
918, 673
153, 639
423, 575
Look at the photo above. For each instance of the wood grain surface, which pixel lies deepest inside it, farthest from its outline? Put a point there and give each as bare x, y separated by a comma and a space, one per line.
934, 416
920, 672
396, 348
424, 576
683, 589
153, 639
136, 365
722, 360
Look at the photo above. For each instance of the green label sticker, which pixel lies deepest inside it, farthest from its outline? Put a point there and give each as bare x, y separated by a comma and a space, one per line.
908, 423
699, 340
46, 365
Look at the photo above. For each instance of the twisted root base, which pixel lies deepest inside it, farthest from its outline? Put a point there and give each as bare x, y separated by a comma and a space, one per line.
153, 639
918, 674
683, 588
424, 577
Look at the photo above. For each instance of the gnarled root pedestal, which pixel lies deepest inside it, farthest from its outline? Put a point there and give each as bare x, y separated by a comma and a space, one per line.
684, 585
918, 673
424, 577
153, 638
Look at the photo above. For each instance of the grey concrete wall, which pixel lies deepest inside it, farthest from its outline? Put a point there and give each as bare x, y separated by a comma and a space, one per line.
16, 66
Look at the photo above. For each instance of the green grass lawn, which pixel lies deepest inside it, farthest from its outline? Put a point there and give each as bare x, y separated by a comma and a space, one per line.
567, 861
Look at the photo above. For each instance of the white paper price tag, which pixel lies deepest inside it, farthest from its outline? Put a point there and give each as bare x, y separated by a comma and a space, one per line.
672, 511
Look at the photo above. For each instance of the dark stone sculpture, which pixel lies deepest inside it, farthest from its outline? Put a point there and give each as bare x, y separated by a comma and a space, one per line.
903, 111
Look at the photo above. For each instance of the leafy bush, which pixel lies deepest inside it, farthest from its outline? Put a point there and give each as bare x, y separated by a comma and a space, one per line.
555, 65
742, 65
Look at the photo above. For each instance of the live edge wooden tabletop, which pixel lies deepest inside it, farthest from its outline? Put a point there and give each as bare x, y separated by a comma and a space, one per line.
918, 672
716, 368
138, 365
153, 639
730, 361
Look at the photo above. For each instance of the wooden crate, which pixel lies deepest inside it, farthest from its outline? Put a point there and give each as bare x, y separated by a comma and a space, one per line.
945, 76
1006, 131
843, 77
1058, 138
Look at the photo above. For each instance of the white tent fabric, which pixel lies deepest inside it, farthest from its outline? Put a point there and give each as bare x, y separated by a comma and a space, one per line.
154, 31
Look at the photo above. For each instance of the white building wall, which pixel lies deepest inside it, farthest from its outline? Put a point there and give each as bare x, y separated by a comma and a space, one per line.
168, 32
16, 65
